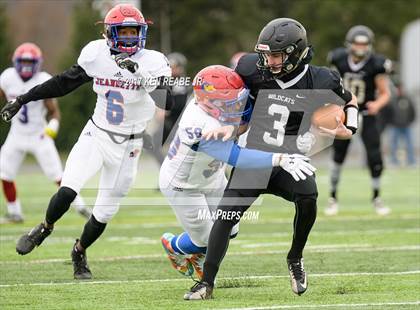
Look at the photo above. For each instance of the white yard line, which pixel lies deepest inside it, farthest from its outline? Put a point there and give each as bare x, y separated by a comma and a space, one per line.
374, 304
348, 274
349, 218
147, 240
329, 248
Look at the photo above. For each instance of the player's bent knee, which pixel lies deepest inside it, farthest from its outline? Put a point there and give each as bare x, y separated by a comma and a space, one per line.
105, 213
66, 195
307, 205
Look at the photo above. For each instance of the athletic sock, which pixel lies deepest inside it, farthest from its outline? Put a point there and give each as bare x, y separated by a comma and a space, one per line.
182, 244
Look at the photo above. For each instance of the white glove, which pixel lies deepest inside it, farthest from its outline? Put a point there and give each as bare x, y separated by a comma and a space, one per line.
305, 142
296, 164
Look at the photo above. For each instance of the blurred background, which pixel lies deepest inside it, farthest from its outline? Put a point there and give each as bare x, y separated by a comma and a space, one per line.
207, 32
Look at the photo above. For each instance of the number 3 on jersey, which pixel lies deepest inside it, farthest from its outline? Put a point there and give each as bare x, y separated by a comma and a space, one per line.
114, 107
277, 138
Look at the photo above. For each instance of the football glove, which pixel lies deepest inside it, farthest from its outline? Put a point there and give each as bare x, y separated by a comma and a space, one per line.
295, 164
305, 142
10, 109
52, 128
124, 61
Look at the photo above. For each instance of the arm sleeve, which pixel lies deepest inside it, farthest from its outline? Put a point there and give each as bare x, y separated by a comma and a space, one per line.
162, 96
231, 153
58, 85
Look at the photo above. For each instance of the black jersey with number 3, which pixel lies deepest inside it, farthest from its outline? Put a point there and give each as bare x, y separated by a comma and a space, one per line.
277, 115
359, 78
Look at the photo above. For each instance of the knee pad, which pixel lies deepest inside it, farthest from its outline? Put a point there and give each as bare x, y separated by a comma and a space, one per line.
375, 164
66, 195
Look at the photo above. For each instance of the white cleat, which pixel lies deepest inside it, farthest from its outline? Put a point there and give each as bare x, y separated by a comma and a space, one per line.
332, 208
379, 207
298, 279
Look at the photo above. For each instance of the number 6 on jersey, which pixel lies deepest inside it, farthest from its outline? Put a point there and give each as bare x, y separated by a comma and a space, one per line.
114, 108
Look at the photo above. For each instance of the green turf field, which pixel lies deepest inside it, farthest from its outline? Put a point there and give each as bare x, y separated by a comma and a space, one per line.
353, 260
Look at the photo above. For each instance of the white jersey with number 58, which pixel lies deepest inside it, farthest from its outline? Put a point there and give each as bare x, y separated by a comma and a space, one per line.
123, 106
184, 167
31, 118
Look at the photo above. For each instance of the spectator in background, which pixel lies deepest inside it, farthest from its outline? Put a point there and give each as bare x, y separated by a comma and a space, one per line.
402, 114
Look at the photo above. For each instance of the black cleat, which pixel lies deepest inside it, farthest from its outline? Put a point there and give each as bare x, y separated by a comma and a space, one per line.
34, 238
297, 273
80, 266
201, 290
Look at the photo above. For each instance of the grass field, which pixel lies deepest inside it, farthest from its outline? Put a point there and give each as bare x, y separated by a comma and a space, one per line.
353, 260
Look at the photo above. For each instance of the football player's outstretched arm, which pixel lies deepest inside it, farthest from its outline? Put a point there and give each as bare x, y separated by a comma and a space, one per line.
57, 86
225, 132
231, 153
53, 116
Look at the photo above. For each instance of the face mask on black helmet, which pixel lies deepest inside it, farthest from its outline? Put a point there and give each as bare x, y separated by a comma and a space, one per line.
361, 35
286, 36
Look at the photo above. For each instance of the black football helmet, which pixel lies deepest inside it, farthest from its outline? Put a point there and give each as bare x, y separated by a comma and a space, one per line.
282, 35
362, 35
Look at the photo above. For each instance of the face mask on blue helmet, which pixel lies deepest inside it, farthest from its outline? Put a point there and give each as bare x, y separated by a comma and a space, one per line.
126, 44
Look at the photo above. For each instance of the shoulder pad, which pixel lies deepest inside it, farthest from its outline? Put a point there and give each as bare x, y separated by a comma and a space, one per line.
156, 62
325, 78
90, 52
5, 77
382, 64
247, 65
336, 55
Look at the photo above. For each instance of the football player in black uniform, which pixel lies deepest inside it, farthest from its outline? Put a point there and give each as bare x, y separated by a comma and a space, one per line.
365, 74
281, 65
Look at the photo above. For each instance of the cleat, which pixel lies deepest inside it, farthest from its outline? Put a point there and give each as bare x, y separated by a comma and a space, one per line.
297, 273
200, 291
332, 208
379, 207
12, 218
34, 238
80, 265
197, 261
179, 262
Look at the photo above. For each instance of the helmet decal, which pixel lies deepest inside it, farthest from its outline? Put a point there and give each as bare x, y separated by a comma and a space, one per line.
221, 93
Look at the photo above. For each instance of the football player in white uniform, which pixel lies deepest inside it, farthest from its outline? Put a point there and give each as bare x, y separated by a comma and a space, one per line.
29, 132
120, 68
192, 176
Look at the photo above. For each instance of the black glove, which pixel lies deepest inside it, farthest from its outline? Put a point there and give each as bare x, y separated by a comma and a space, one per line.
10, 109
124, 61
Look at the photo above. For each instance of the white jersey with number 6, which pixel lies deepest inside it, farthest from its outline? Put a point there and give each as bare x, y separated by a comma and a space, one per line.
31, 118
123, 106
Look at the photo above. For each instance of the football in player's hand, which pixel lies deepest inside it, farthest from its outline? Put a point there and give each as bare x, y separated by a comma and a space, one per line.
326, 116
